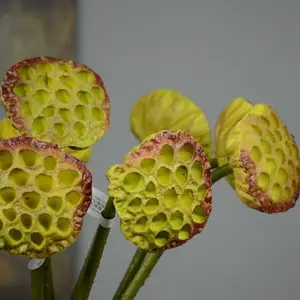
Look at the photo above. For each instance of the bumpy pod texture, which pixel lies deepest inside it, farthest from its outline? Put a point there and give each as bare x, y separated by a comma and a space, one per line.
227, 120
162, 191
8, 131
166, 109
265, 161
56, 101
44, 195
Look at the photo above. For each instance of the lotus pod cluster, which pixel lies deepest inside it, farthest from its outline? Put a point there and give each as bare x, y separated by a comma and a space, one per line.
162, 191
263, 154
44, 194
56, 101
166, 109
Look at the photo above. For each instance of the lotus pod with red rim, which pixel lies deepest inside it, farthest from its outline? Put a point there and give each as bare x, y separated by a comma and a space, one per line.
227, 120
162, 191
44, 195
56, 101
265, 161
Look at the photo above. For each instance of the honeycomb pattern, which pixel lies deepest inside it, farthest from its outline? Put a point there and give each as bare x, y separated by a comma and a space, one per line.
227, 119
7, 131
162, 191
56, 101
166, 109
265, 161
44, 194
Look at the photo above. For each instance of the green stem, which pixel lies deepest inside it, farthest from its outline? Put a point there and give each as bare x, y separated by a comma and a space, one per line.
133, 268
143, 273
92, 262
214, 163
152, 259
41, 282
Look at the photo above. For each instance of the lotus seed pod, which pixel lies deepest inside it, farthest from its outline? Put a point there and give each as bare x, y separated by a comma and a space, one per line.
166, 109
7, 131
226, 121
265, 161
56, 101
44, 195
162, 191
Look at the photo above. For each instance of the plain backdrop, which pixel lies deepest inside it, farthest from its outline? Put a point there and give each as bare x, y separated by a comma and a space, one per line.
212, 51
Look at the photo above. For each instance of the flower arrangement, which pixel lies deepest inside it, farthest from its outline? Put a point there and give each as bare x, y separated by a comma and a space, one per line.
162, 191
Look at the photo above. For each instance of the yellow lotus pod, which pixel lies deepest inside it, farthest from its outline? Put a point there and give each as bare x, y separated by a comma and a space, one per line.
56, 101
265, 161
162, 192
226, 121
8, 131
166, 109
44, 195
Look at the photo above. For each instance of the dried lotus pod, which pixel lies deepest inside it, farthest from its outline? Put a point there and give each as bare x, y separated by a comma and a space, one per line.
44, 195
7, 131
228, 118
56, 101
265, 161
162, 191
166, 109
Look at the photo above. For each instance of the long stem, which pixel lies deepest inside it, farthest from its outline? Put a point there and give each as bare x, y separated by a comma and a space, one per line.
145, 270
152, 259
92, 262
41, 282
214, 163
133, 268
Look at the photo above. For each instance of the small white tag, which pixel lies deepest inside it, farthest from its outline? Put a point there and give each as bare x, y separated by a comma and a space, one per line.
99, 201
35, 263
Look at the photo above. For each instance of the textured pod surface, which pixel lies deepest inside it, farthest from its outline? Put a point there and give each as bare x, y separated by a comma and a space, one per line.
166, 109
44, 194
265, 161
162, 191
56, 101
7, 131
227, 120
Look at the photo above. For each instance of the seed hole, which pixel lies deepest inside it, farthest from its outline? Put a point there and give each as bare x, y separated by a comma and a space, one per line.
7, 195
147, 165
15, 234
39, 125
31, 199
198, 214
164, 176
270, 136
270, 165
55, 203
19, 176
60, 129
197, 171
85, 97
22, 90
63, 96
170, 197
66, 115
37, 238
162, 238
151, 206
256, 154
6, 159
181, 175
81, 112
64, 225
50, 163
135, 204
41, 97
10, 214
27, 73
266, 146
29, 157
26, 221
263, 180
280, 156
97, 114
68, 177
44, 182
141, 224
186, 199
150, 189
176, 220
276, 192
256, 130
44, 68
86, 77
98, 93
283, 176
278, 135
73, 198
64, 67
186, 152
26, 109
45, 221
158, 221
185, 232
79, 129
201, 192
166, 154
49, 111
67, 81
1, 224
134, 182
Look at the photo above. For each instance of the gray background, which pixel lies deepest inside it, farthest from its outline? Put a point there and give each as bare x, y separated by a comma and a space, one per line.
211, 51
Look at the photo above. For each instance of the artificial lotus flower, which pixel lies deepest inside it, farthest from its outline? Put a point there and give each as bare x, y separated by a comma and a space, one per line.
7, 130
265, 161
162, 191
56, 101
227, 120
44, 195
167, 109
